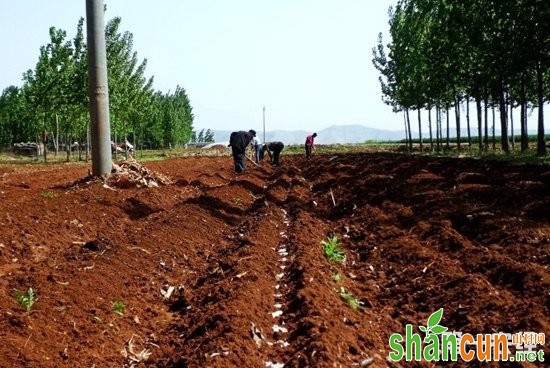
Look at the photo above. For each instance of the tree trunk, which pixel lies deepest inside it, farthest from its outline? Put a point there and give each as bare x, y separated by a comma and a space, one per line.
448, 128
486, 139
409, 130
503, 121
523, 116
68, 147
512, 134
457, 120
541, 146
493, 132
468, 121
406, 130
420, 129
439, 128
115, 147
56, 134
430, 128
479, 122
87, 141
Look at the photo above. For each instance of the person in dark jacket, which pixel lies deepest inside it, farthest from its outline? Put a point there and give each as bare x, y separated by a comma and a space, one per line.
238, 141
274, 149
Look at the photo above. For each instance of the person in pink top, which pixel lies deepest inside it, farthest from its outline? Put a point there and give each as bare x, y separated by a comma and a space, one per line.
310, 144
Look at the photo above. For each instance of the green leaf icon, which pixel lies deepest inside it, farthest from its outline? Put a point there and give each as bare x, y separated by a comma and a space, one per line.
435, 318
438, 329
422, 328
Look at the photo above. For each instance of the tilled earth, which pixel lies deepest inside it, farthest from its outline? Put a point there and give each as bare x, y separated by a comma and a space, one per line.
214, 269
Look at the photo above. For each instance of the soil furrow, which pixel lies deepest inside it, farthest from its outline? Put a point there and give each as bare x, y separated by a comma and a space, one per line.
193, 266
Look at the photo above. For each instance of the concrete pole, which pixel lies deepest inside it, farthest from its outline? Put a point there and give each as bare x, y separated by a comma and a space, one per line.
98, 89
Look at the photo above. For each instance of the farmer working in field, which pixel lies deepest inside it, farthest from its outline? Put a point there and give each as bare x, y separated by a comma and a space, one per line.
256, 144
238, 141
275, 148
310, 144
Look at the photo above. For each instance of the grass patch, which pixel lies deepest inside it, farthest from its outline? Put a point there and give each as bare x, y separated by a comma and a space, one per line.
118, 307
333, 252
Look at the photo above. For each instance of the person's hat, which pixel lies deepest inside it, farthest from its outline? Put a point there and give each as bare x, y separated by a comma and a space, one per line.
252, 131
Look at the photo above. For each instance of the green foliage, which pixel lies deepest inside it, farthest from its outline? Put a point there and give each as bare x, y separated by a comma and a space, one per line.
351, 299
332, 250
26, 300
172, 119
200, 136
203, 136
130, 92
54, 95
336, 277
13, 125
209, 136
443, 54
55, 92
118, 307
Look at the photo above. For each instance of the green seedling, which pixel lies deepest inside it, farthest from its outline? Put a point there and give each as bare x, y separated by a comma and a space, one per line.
331, 246
351, 299
47, 194
26, 300
118, 307
336, 277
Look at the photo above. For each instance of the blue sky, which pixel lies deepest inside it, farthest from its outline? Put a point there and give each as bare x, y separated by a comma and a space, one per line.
307, 61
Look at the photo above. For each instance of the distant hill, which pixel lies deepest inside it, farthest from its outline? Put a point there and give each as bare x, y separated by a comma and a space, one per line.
346, 134
356, 134
334, 134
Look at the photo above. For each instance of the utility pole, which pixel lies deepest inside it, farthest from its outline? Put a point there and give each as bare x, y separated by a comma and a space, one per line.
264, 124
98, 89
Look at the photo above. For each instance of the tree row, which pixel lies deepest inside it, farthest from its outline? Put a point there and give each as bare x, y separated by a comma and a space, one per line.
53, 100
445, 56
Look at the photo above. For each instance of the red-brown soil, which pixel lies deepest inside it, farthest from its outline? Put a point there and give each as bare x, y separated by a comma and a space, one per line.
419, 234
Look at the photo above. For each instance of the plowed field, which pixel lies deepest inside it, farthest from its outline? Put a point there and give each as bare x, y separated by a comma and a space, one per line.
216, 269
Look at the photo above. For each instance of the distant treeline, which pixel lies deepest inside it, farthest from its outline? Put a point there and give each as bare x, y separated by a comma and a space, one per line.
53, 100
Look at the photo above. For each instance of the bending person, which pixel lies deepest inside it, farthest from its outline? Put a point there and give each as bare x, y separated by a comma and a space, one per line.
274, 149
238, 141
310, 144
